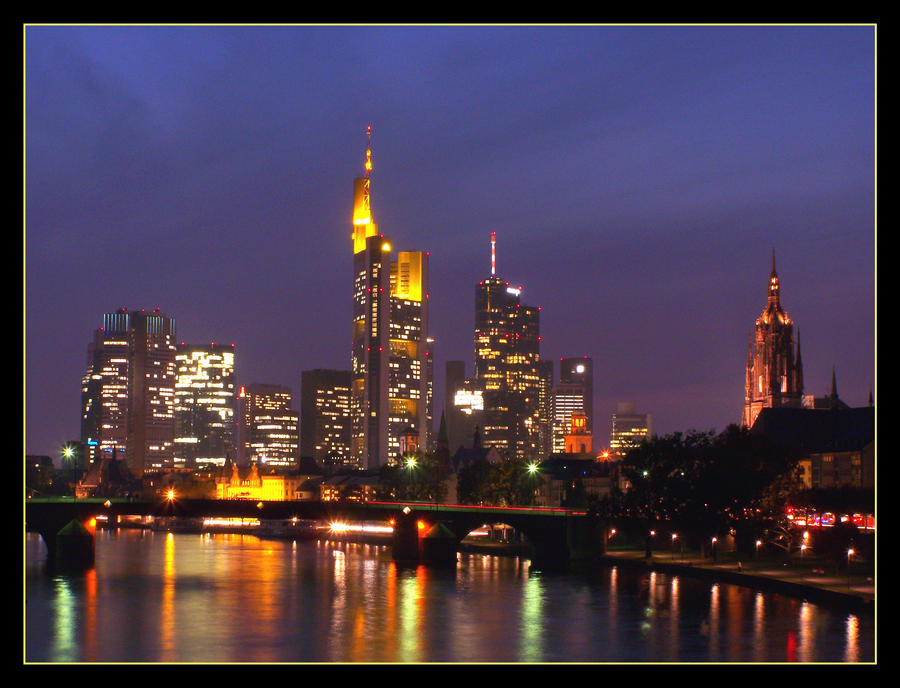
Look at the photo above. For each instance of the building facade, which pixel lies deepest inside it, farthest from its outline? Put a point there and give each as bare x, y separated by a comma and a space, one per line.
204, 405
390, 386
267, 426
774, 372
629, 428
325, 414
128, 391
507, 363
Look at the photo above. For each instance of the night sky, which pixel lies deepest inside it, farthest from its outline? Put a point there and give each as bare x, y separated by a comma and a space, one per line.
638, 179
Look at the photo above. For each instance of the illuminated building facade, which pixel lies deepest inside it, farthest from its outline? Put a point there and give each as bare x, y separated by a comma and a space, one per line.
774, 375
578, 439
409, 388
629, 428
390, 385
465, 414
507, 357
574, 393
204, 404
267, 426
128, 391
325, 414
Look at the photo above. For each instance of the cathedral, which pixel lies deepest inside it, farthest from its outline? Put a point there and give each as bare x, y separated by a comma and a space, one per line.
774, 369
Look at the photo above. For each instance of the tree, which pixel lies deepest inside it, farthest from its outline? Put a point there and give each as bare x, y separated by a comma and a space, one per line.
707, 484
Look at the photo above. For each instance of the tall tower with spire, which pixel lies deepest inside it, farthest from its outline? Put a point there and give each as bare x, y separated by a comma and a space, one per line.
390, 374
508, 367
371, 310
774, 375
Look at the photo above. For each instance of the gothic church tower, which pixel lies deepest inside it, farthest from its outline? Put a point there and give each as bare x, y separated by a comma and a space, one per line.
774, 370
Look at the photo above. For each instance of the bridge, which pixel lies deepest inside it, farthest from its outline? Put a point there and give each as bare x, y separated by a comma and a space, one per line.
422, 532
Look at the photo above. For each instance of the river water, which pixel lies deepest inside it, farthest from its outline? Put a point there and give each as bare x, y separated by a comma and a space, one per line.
164, 597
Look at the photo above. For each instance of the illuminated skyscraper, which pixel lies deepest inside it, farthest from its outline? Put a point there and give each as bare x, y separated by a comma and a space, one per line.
128, 390
267, 426
204, 404
325, 415
390, 386
507, 357
629, 428
574, 393
409, 386
774, 374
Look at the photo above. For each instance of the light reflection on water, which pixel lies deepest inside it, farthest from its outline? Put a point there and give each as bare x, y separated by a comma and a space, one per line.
158, 597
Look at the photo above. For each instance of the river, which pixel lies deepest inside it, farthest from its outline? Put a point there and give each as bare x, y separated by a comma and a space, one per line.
181, 598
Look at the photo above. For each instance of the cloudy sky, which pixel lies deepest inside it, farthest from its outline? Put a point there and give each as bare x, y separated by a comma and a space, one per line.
638, 179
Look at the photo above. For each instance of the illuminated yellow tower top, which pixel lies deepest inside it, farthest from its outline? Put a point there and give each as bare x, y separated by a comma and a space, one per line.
363, 223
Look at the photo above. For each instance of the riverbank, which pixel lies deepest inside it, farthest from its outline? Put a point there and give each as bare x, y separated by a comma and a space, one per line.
816, 585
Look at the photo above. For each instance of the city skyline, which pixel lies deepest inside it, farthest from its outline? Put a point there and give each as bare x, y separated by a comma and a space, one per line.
638, 179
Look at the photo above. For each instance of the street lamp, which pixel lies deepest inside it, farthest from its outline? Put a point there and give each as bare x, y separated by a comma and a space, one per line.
756, 554
69, 454
532, 469
714, 541
849, 554
674, 538
802, 550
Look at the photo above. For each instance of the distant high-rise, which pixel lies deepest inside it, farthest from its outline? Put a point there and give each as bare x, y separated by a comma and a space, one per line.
128, 390
267, 426
629, 428
507, 357
325, 414
204, 404
574, 393
774, 373
390, 386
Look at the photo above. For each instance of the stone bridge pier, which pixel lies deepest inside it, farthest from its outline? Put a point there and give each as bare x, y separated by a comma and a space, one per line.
434, 537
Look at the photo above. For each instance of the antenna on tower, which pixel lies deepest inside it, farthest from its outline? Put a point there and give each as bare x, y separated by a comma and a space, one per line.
493, 253
368, 150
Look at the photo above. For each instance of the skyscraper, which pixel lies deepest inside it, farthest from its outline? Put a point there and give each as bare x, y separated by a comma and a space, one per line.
507, 356
409, 388
574, 393
371, 312
390, 386
128, 390
204, 404
629, 428
267, 426
325, 414
774, 374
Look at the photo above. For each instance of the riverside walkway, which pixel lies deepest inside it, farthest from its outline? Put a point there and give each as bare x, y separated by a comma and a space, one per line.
809, 580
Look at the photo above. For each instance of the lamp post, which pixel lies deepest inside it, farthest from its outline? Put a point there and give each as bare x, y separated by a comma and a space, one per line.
674, 538
410, 465
849, 554
69, 454
756, 552
714, 541
532, 469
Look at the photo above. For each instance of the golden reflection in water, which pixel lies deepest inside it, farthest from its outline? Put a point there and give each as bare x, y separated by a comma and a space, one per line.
673, 619
390, 612
714, 614
64, 647
759, 628
851, 654
612, 623
90, 615
338, 597
531, 642
167, 622
734, 606
807, 632
409, 590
